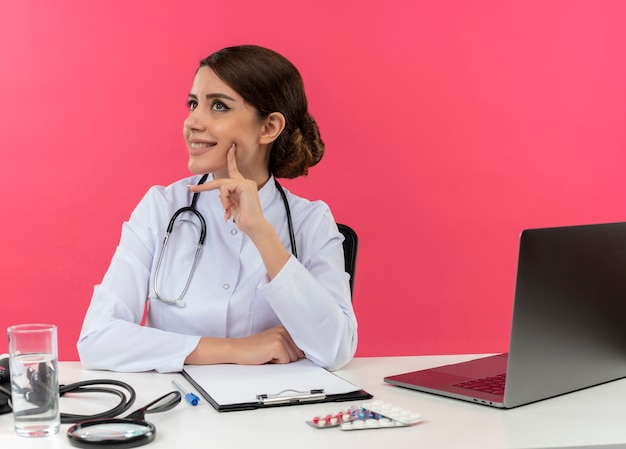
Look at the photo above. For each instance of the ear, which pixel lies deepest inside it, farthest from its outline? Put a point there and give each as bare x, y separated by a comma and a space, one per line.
274, 125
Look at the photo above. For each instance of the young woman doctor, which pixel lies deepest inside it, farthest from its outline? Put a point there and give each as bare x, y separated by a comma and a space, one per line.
247, 299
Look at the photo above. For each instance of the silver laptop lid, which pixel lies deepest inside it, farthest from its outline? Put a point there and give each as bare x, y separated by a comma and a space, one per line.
569, 318
569, 321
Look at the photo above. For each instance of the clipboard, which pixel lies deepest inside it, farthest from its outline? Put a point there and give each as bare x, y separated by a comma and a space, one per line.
247, 387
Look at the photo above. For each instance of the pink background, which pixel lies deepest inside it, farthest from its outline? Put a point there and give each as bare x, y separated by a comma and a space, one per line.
450, 127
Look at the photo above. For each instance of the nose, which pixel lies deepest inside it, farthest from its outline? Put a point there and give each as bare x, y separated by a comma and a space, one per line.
194, 121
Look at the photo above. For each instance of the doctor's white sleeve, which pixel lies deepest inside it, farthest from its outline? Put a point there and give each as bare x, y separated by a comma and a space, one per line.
311, 295
112, 337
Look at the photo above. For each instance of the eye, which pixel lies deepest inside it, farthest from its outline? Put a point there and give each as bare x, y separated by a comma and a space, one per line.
191, 105
219, 106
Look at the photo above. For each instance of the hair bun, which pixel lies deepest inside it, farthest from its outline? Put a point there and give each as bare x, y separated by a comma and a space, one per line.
311, 136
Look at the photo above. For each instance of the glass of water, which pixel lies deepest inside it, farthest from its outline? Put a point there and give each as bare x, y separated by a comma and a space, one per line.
34, 382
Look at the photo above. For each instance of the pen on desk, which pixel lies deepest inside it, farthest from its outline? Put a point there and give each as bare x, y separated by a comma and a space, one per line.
191, 398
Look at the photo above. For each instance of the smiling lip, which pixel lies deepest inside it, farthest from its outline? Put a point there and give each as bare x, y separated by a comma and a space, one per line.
199, 147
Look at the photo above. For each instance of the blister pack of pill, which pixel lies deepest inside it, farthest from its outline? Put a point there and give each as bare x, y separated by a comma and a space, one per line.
370, 415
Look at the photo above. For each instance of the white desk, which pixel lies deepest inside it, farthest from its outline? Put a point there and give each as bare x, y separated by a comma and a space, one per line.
596, 416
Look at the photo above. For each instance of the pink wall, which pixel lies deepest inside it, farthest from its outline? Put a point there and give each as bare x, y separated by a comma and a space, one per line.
450, 127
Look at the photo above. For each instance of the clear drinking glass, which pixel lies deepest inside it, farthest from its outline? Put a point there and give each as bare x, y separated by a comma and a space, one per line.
34, 382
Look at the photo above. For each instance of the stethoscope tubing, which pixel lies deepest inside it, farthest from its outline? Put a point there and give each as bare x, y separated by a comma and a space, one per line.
92, 386
179, 301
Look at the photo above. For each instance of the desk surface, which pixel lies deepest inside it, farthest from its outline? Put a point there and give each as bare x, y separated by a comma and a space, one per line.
595, 416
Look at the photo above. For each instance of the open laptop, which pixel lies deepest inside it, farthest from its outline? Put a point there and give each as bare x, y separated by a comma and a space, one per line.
569, 323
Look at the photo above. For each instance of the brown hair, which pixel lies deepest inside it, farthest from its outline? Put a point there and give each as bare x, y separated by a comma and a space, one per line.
270, 83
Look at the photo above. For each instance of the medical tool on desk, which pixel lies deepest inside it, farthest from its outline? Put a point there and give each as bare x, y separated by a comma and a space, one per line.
128, 432
37, 392
179, 301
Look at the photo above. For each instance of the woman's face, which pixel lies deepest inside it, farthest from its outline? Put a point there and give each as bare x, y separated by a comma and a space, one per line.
219, 117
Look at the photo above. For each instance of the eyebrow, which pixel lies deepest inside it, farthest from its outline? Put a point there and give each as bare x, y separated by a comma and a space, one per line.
211, 96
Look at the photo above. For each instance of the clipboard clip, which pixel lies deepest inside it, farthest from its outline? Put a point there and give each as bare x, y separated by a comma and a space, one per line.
295, 397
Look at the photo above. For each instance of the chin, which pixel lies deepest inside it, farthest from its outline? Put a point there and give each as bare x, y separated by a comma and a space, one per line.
196, 168
193, 169
199, 167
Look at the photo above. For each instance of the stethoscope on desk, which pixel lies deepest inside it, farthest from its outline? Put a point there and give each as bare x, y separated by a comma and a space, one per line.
99, 430
179, 301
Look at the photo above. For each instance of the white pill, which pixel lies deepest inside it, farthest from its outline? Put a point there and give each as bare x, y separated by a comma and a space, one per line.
371, 423
386, 422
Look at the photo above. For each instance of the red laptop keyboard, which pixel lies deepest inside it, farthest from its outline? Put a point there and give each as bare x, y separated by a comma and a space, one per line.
492, 384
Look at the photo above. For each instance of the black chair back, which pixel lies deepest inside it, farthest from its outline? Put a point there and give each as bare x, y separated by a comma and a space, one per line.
350, 246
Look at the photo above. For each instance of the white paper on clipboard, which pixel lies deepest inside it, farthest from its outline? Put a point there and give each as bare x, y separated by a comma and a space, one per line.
236, 384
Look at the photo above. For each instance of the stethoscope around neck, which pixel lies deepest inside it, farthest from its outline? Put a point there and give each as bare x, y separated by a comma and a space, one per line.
179, 301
